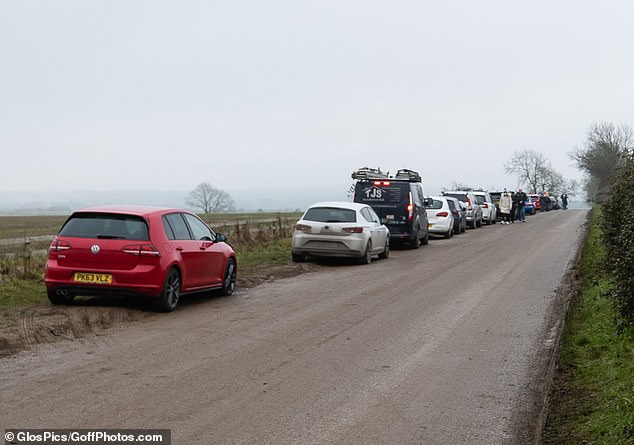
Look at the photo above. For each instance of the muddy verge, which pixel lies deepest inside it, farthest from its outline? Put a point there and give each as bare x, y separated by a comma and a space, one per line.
22, 329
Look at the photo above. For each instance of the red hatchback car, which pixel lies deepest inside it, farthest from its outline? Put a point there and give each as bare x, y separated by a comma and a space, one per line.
136, 250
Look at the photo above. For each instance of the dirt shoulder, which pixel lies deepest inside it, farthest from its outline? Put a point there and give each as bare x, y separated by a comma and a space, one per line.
23, 328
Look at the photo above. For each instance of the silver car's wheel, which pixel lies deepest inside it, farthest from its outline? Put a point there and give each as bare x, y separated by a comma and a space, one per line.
386, 252
367, 256
299, 258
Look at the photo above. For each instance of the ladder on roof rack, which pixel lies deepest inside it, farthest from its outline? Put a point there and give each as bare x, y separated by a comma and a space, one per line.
408, 174
369, 173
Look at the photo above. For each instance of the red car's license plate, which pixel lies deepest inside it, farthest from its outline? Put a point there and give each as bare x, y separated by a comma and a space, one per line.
96, 278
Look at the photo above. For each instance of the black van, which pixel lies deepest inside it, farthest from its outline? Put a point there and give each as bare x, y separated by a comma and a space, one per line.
399, 202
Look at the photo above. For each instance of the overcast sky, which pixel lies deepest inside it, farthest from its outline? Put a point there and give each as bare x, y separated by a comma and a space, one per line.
163, 95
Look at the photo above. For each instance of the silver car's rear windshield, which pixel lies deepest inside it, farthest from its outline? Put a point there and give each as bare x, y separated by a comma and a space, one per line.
106, 226
330, 214
460, 196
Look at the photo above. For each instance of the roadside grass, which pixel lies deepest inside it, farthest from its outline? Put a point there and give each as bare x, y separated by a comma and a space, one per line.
271, 253
20, 289
592, 400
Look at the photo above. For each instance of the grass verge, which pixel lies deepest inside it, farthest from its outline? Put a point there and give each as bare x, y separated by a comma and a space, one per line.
271, 253
18, 288
592, 400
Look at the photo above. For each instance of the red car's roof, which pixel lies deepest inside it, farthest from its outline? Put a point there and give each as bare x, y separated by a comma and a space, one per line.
129, 209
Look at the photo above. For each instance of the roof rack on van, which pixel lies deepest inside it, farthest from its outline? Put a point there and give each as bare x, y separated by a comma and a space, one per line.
408, 174
369, 173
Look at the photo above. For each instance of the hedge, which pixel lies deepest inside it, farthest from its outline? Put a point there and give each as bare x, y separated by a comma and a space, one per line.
618, 229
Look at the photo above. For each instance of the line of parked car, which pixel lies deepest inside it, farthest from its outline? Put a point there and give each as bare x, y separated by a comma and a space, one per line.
387, 210
163, 253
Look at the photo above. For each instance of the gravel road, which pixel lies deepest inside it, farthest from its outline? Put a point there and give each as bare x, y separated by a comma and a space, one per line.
448, 344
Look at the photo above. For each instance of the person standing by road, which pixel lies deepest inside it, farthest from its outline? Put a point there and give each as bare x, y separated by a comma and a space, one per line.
520, 199
543, 202
564, 200
506, 204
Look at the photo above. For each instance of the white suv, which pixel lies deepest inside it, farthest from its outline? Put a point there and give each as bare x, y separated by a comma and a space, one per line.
489, 211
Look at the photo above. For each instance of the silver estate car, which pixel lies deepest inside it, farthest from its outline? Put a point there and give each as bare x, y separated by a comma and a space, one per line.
340, 229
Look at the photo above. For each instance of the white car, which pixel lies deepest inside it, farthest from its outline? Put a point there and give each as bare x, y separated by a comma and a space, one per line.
489, 211
340, 229
440, 217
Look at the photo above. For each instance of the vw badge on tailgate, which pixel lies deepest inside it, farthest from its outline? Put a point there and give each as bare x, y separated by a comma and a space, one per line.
95, 249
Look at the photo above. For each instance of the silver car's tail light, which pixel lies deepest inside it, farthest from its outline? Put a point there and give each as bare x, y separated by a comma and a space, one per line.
303, 228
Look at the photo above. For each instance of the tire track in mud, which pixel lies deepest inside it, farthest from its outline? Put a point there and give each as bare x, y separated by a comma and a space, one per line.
26, 328
27, 331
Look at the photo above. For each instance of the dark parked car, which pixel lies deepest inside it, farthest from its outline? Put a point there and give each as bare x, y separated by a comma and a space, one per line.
136, 250
459, 212
399, 202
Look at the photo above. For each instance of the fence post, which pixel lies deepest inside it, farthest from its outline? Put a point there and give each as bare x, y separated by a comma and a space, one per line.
27, 257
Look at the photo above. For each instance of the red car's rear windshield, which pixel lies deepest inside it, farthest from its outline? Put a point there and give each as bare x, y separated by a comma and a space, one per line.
106, 226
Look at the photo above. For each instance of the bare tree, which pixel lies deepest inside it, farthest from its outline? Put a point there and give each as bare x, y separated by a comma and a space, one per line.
572, 187
455, 185
552, 181
532, 169
209, 199
606, 149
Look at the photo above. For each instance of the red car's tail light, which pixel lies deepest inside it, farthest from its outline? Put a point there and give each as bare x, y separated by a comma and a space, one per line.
302, 228
353, 229
141, 250
59, 246
442, 214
